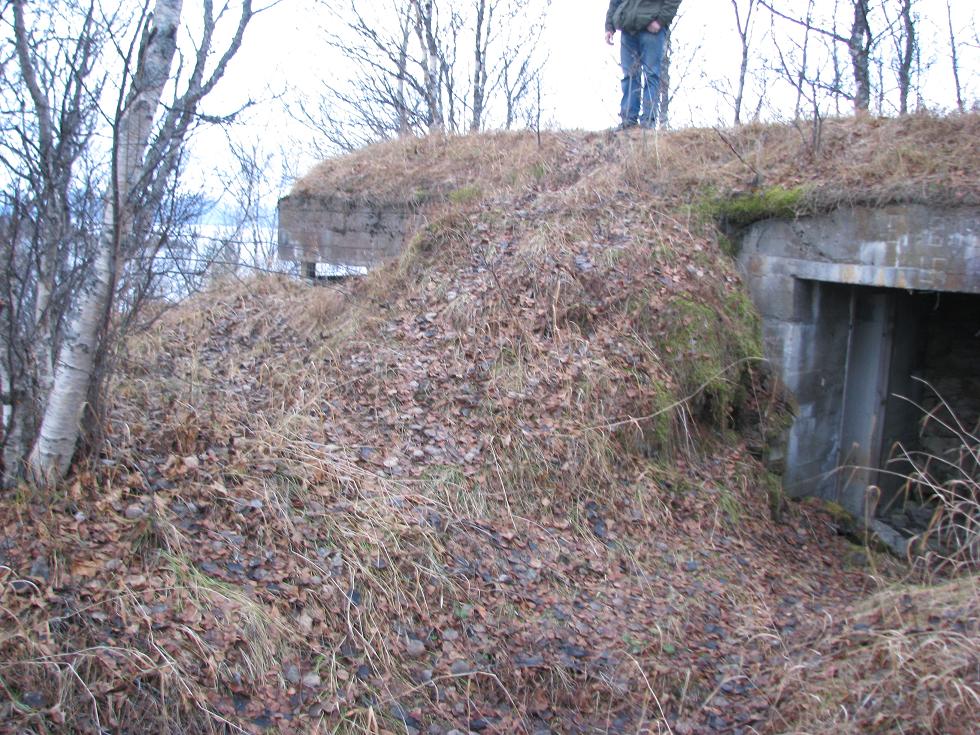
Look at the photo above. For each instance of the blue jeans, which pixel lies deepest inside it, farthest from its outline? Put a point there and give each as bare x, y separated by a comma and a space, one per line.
640, 55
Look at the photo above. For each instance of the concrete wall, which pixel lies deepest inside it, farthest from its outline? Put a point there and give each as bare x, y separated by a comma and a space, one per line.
836, 330
341, 232
899, 246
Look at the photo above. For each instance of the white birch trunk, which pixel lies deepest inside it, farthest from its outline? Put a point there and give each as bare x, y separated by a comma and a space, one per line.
55, 445
403, 123
60, 426
479, 66
12, 455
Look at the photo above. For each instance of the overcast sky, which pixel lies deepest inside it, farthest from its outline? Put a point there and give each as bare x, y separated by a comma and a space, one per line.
286, 57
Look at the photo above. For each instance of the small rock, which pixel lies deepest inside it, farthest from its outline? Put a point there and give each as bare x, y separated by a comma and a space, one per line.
316, 710
34, 699
134, 512
414, 648
311, 680
263, 721
890, 538
305, 622
599, 529
920, 515
460, 667
403, 715
692, 566
292, 674
40, 569
717, 723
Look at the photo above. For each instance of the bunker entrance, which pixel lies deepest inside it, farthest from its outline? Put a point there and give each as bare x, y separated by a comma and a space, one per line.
871, 317
910, 392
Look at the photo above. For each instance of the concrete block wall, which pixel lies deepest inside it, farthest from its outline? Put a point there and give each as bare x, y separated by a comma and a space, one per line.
342, 232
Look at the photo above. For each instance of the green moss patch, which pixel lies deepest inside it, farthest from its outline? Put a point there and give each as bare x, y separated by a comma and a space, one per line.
742, 210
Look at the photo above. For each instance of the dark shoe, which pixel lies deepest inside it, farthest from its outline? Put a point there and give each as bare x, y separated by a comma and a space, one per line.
626, 125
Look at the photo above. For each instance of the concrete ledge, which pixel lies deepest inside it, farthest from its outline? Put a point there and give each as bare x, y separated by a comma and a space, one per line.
898, 246
917, 279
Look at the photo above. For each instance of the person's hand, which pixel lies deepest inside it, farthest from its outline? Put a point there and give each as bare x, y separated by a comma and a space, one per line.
654, 26
609, 37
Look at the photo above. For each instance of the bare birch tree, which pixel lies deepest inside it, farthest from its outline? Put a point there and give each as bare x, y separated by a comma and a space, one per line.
428, 66
954, 59
860, 44
859, 47
743, 24
906, 48
96, 188
482, 29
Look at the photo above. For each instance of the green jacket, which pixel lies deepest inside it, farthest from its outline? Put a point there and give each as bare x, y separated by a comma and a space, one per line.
635, 15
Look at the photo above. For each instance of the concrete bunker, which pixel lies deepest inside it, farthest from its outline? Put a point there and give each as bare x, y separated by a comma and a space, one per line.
869, 315
338, 236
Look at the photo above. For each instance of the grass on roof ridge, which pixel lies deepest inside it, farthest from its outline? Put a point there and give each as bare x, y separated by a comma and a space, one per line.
915, 158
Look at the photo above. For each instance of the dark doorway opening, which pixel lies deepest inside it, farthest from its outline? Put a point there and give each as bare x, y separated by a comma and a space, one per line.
911, 390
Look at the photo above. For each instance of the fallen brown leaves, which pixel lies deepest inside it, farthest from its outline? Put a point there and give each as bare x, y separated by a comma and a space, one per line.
481, 490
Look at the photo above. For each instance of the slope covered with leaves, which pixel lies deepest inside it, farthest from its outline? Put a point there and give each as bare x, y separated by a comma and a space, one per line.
508, 483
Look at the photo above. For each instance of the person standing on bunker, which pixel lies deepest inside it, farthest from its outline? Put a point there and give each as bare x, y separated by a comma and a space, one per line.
643, 34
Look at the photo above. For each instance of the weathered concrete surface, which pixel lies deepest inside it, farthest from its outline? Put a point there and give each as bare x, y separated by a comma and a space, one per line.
845, 333
342, 232
899, 246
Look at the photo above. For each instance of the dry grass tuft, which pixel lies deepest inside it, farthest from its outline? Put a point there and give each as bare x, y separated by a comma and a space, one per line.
951, 485
905, 660
417, 170
917, 158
